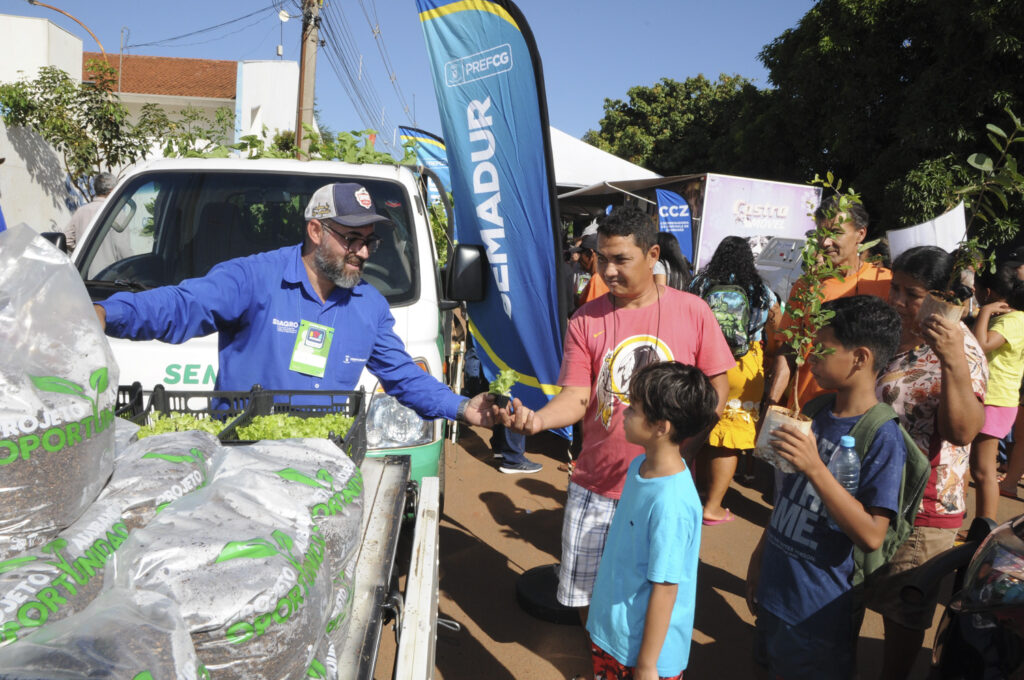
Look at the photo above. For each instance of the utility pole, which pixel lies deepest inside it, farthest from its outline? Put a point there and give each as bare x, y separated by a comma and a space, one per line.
307, 72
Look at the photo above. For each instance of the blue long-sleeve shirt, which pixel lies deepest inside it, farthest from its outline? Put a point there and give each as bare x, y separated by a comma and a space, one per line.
256, 304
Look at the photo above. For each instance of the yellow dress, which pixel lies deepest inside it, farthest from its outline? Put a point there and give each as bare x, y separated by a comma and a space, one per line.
735, 430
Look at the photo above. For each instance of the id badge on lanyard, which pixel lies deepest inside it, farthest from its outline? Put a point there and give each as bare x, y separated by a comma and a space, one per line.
312, 346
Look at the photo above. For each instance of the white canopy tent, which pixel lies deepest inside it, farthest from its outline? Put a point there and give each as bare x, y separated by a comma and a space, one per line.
578, 164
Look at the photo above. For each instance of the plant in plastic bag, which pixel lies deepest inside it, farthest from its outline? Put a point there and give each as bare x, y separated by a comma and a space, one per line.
122, 634
248, 569
58, 391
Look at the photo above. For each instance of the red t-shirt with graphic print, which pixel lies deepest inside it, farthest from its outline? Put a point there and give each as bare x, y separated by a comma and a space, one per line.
605, 345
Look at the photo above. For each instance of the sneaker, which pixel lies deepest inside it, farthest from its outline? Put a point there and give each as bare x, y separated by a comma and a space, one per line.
523, 467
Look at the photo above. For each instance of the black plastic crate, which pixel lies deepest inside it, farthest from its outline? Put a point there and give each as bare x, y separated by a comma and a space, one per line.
223, 405
130, 405
309, 404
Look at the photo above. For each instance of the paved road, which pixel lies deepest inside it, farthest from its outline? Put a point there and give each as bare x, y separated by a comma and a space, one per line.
497, 526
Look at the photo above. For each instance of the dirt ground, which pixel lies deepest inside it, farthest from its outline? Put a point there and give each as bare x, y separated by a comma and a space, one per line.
496, 526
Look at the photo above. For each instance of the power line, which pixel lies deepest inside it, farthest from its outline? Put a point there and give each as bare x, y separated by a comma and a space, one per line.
202, 30
379, 39
345, 59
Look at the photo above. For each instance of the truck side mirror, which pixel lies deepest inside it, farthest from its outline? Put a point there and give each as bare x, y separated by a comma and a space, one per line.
58, 239
466, 273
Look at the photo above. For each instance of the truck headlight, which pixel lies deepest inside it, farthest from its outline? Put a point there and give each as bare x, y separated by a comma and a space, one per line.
390, 425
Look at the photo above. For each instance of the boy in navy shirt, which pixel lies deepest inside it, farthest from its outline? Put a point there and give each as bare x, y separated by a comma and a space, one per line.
799, 583
641, 614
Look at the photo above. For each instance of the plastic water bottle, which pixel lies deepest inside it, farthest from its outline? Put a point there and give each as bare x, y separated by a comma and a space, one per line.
845, 467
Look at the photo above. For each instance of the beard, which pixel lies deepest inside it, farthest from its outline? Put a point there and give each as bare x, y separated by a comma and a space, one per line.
334, 269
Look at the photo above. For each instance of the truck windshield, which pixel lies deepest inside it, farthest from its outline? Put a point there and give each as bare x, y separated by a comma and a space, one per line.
164, 227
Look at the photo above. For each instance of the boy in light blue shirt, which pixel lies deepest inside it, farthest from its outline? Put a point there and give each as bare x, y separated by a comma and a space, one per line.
641, 615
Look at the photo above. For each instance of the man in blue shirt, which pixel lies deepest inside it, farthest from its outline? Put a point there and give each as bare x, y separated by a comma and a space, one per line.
297, 318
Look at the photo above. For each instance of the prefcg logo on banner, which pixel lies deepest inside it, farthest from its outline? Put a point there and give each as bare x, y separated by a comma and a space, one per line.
478, 66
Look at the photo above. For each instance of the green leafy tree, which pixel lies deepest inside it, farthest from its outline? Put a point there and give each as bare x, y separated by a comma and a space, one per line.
192, 134
889, 92
353, 147
439, 229
678, 127
995, 182
85, 122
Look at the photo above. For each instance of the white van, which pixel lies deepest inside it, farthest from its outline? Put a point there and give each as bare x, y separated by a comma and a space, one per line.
169, 220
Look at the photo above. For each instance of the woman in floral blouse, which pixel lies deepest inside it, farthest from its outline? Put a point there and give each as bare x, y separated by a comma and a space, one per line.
936, 384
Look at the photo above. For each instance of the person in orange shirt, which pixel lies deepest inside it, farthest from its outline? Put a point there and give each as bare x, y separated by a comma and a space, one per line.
849, 229
595, 287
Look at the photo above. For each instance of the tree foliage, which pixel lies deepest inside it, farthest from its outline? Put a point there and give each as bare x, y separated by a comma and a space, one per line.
883, 88
676, 127
85, 122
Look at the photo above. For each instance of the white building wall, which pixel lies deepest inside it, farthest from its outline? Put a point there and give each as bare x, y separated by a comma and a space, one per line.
266, 93
28, 43
33, 184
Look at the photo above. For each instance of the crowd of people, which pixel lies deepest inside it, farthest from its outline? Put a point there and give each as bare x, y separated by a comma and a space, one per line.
670, 387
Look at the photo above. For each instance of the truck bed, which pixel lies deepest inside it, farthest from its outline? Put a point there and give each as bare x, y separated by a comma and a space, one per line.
384, 492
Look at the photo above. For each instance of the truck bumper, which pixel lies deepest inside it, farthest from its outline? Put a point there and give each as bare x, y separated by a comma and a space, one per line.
425, 459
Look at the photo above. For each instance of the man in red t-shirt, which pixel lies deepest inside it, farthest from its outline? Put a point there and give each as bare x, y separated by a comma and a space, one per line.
637, 323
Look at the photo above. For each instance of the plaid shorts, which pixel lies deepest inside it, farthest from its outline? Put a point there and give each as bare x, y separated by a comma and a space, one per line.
588, 516
607, 667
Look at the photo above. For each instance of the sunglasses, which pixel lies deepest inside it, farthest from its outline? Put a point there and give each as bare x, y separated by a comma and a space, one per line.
355, 242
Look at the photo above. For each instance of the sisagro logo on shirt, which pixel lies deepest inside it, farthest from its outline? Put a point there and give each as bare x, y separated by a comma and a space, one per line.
291, 327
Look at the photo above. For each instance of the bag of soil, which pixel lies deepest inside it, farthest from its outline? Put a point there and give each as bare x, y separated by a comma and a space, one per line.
126, 433
62, 577
156, 470
246, 565
314, 472
317, 474
58, 391
122, 634
324, 665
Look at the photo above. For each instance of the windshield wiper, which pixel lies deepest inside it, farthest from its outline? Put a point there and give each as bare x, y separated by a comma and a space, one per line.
123, 284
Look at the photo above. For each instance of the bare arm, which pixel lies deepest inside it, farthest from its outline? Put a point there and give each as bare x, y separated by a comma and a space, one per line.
961, 414
986, 338
866, 527
566, 408
659, 615
782, 368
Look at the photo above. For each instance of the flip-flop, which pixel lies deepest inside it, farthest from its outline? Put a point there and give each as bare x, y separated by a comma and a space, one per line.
1009, 494
712, 522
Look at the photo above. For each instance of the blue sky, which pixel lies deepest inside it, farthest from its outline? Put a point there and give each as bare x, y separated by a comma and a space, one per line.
590, 50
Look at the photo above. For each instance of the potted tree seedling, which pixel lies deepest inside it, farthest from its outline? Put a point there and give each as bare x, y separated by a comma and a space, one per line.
996, 179
951, 303
501, 387
808, 316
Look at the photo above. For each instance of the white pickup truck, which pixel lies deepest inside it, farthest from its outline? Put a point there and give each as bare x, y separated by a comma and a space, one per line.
170, 220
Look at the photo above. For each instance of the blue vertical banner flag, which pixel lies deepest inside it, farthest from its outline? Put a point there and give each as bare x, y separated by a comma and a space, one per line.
431, 153
674, 217
3, 224
490, 94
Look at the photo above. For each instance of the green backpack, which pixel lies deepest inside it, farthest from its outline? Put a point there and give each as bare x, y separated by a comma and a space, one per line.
916, 472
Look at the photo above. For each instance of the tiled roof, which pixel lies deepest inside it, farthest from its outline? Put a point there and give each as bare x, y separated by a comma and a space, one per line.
172, 75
